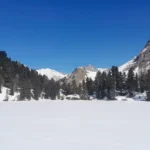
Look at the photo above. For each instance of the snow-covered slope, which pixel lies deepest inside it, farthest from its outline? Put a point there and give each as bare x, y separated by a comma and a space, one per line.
102, 69
81, 73
91, 74
140, 63
51, 74
74, 125
125, 67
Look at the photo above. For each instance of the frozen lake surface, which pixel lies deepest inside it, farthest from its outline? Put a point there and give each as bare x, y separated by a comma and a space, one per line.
74, 125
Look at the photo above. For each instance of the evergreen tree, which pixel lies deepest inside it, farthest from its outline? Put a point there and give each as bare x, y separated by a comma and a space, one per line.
25, 90
137, 84
84, 93
79, 89
12, 87
131, 84
115, 76
122, 84
142, 80
1, 82
90, 86
110, 86
74, 87
52, 90
16, 83
147, 84
68, 90
63, 86
103, 86
36, 93
98, 84
0, 86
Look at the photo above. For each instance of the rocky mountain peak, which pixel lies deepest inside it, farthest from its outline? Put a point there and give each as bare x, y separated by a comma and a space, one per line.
91, 68
78, 75
81, 73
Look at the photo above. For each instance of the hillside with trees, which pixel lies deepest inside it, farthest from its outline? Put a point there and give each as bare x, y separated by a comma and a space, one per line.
107, 85
19, 78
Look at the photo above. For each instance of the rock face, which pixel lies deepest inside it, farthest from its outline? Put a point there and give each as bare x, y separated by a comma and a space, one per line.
81, 73
78, 75
140, 63
143, 60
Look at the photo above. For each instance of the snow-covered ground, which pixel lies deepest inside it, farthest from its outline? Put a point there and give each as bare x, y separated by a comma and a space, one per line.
4, 95
74, 125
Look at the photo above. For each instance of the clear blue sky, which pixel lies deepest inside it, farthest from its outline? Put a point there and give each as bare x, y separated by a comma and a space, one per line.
64, 34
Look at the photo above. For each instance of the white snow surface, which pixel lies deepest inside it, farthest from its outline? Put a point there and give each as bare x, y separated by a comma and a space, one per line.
91, 74
72, 96
51, 74
125, 67
74, 125
4, 95
102, 69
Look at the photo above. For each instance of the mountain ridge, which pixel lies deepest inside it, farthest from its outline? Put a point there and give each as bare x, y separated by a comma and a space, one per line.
79, 74
51, 74
140, 64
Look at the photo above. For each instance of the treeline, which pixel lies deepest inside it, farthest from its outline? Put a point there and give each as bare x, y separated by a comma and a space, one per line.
107, 85
19, 78
111, 83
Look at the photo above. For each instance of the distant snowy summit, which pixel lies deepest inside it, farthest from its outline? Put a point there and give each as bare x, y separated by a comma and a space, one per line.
82, 73
79, 74
52, 74
140, 64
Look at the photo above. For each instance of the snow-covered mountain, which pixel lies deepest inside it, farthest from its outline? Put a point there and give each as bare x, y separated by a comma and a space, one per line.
102, 69
125, 67
81, 73
140, 63
51, 74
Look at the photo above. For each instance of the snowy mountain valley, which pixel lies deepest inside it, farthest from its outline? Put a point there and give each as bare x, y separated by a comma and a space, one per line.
91, 108
19, 82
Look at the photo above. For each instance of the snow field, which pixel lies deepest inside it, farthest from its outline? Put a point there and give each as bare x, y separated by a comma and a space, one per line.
72, 125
